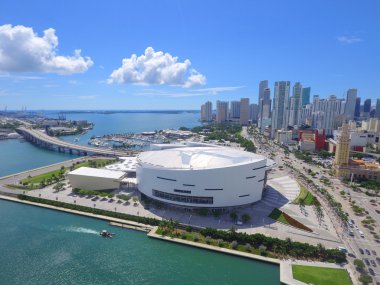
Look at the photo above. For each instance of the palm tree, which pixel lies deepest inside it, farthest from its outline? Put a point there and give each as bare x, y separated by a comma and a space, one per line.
302, 205
319, 213
245, 218
233, 216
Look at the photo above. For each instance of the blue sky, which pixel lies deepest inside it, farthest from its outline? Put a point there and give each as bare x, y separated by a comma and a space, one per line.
231, 46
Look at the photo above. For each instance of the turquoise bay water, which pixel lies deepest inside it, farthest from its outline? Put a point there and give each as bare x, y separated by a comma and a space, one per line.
131, 122
19, 155
41, 246
16, 156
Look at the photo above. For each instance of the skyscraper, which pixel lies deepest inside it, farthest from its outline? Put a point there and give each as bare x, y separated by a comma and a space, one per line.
264, 108
295, 105
206, 112
357, 108
235, 110
366, 108
306, 113
262, 86
327, 113
305, 96
253, 112
342, 152
377, 114
266, 103
244, 111
280, 106
349, 111
221, 111
203, 112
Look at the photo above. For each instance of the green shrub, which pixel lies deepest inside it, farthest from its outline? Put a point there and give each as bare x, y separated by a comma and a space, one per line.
287, 247
245, 218
124, 197
233, 216
234, 244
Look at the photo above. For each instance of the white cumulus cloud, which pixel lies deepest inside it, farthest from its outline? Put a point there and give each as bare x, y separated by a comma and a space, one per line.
156, 68
189, 92
347, 40
22, 50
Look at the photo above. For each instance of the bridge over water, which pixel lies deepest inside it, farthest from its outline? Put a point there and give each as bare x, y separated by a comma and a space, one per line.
41, 139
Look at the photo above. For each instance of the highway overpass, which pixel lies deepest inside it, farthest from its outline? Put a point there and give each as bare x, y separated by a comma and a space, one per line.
41, 139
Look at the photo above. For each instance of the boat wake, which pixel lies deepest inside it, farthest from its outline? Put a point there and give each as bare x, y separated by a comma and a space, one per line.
81, 230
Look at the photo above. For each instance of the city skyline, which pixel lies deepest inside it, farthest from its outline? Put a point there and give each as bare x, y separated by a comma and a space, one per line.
201, 63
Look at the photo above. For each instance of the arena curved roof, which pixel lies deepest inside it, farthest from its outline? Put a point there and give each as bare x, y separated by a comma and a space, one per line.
198, 157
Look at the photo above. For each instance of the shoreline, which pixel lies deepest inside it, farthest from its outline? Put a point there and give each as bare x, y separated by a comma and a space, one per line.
116, 221
285, 268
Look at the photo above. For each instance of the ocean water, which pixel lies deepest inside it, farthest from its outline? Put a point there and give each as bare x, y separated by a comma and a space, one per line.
42, 246
18, 155
116, 123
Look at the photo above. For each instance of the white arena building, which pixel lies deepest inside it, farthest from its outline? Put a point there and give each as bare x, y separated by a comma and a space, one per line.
202, 176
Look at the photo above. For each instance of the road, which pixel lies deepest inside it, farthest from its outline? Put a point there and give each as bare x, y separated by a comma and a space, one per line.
14, 178
57, 142
353, 243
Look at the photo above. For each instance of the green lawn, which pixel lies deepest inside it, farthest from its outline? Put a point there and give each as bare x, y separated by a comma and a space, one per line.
284, 218
321, 275
305, 195
44, 176
38, 178
277, 215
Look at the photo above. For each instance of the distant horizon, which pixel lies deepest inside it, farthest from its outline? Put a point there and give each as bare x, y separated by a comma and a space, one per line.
102, 110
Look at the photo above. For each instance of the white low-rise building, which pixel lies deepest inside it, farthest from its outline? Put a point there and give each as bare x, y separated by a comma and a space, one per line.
88, 178
360, 138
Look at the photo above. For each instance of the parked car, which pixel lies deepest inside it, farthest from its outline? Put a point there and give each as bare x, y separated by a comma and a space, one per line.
366, 261
373, 263
371, 272
378, 260
343, 249
374, 252
367, 251
361, 250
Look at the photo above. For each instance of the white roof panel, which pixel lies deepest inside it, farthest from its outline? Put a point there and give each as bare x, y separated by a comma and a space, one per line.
198, 157
96, 172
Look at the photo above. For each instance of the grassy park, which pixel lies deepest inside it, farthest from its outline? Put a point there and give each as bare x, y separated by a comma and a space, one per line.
41, 180
284, 218
277, 215
321, 275
306, 196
